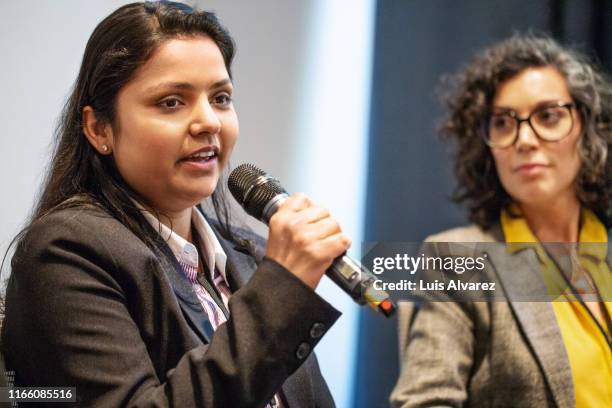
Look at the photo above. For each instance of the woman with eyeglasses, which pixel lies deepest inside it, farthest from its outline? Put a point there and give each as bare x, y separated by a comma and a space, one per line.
531, 123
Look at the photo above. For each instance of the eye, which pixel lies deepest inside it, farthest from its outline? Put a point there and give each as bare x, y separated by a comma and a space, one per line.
223, 99
171, 103
550, 116
502, 122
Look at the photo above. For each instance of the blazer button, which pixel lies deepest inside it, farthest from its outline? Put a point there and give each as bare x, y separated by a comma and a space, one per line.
302, 351
317, 330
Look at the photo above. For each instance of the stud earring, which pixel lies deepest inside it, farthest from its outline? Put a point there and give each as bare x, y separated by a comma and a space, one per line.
105, 148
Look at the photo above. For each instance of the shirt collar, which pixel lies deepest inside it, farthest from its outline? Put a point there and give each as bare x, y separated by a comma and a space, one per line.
215, 256
592, 232
184, 251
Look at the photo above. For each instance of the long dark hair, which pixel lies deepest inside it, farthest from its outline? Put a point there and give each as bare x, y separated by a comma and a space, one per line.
78, 175
468, 99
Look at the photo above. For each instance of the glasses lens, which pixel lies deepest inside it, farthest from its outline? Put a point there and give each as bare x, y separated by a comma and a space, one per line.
501, 130
553, 123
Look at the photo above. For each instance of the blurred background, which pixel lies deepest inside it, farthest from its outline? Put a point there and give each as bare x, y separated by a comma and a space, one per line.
336, 98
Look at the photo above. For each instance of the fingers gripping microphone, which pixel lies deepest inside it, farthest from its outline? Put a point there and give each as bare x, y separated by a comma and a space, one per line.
261, 196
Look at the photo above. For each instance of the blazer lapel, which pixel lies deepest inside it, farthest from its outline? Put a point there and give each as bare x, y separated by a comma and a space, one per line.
521, 278
190, 304
236, 272
187, 299
240, 264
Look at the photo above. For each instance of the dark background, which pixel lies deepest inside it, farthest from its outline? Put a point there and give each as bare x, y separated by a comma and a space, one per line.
409, 180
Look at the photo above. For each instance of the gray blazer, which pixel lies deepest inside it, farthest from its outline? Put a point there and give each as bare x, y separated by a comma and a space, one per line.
484, 354
90, 306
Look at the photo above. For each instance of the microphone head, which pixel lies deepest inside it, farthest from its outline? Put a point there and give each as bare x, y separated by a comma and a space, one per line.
253, 188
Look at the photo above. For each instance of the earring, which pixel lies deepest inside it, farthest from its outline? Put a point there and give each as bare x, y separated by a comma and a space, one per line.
105, 148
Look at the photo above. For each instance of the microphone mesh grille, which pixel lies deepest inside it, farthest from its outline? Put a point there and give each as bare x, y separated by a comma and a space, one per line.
241, 178
248, 177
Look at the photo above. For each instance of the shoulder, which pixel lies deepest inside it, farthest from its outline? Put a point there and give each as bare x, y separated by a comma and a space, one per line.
86, 230
468, 233
85, 216
83, 221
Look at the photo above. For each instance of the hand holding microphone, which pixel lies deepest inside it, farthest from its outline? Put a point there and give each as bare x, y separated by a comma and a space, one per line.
304, 238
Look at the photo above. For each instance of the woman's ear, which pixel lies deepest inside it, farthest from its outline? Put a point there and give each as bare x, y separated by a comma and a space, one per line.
97, 132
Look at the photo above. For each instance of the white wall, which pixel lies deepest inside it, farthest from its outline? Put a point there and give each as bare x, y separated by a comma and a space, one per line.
302, 88
41, 43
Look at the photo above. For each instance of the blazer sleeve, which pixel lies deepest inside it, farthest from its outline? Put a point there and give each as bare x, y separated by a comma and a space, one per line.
68, 323
436, 351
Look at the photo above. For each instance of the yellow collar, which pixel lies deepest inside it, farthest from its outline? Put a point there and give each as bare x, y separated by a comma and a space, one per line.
519, 235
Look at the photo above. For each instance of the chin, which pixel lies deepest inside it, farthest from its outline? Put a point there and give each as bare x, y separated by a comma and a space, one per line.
536, 197
203, 195
194, 197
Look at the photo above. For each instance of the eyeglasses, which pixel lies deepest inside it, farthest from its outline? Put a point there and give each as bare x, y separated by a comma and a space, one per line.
550, 123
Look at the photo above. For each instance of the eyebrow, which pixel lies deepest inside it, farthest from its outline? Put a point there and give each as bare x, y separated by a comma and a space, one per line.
542, 104
183, 86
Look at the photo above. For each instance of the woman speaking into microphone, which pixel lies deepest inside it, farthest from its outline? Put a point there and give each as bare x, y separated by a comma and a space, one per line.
120, 285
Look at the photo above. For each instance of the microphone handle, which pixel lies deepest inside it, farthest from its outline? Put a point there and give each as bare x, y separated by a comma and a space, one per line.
358, 283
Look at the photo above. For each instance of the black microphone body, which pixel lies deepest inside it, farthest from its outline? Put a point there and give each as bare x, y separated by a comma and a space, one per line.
261, 196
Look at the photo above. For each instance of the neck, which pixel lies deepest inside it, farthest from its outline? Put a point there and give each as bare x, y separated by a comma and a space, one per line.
555, 221
179, 222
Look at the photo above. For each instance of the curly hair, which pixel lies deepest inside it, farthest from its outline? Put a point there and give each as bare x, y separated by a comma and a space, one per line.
469, 99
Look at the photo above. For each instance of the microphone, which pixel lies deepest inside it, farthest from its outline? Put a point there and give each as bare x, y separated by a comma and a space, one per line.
261, 196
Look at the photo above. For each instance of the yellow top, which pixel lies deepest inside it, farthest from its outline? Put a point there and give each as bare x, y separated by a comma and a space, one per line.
589, 354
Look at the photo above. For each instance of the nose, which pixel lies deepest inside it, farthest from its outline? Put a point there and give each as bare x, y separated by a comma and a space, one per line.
205, 120
527, 139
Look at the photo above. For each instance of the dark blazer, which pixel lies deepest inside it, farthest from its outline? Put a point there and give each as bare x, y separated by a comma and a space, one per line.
485, 354
89, 305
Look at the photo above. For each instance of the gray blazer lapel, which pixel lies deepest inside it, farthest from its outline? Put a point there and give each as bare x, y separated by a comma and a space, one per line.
187, 299
521, 278
240, 264
189, 302
238, 270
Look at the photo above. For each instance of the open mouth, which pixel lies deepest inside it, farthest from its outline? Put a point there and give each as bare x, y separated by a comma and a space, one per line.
203, 156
